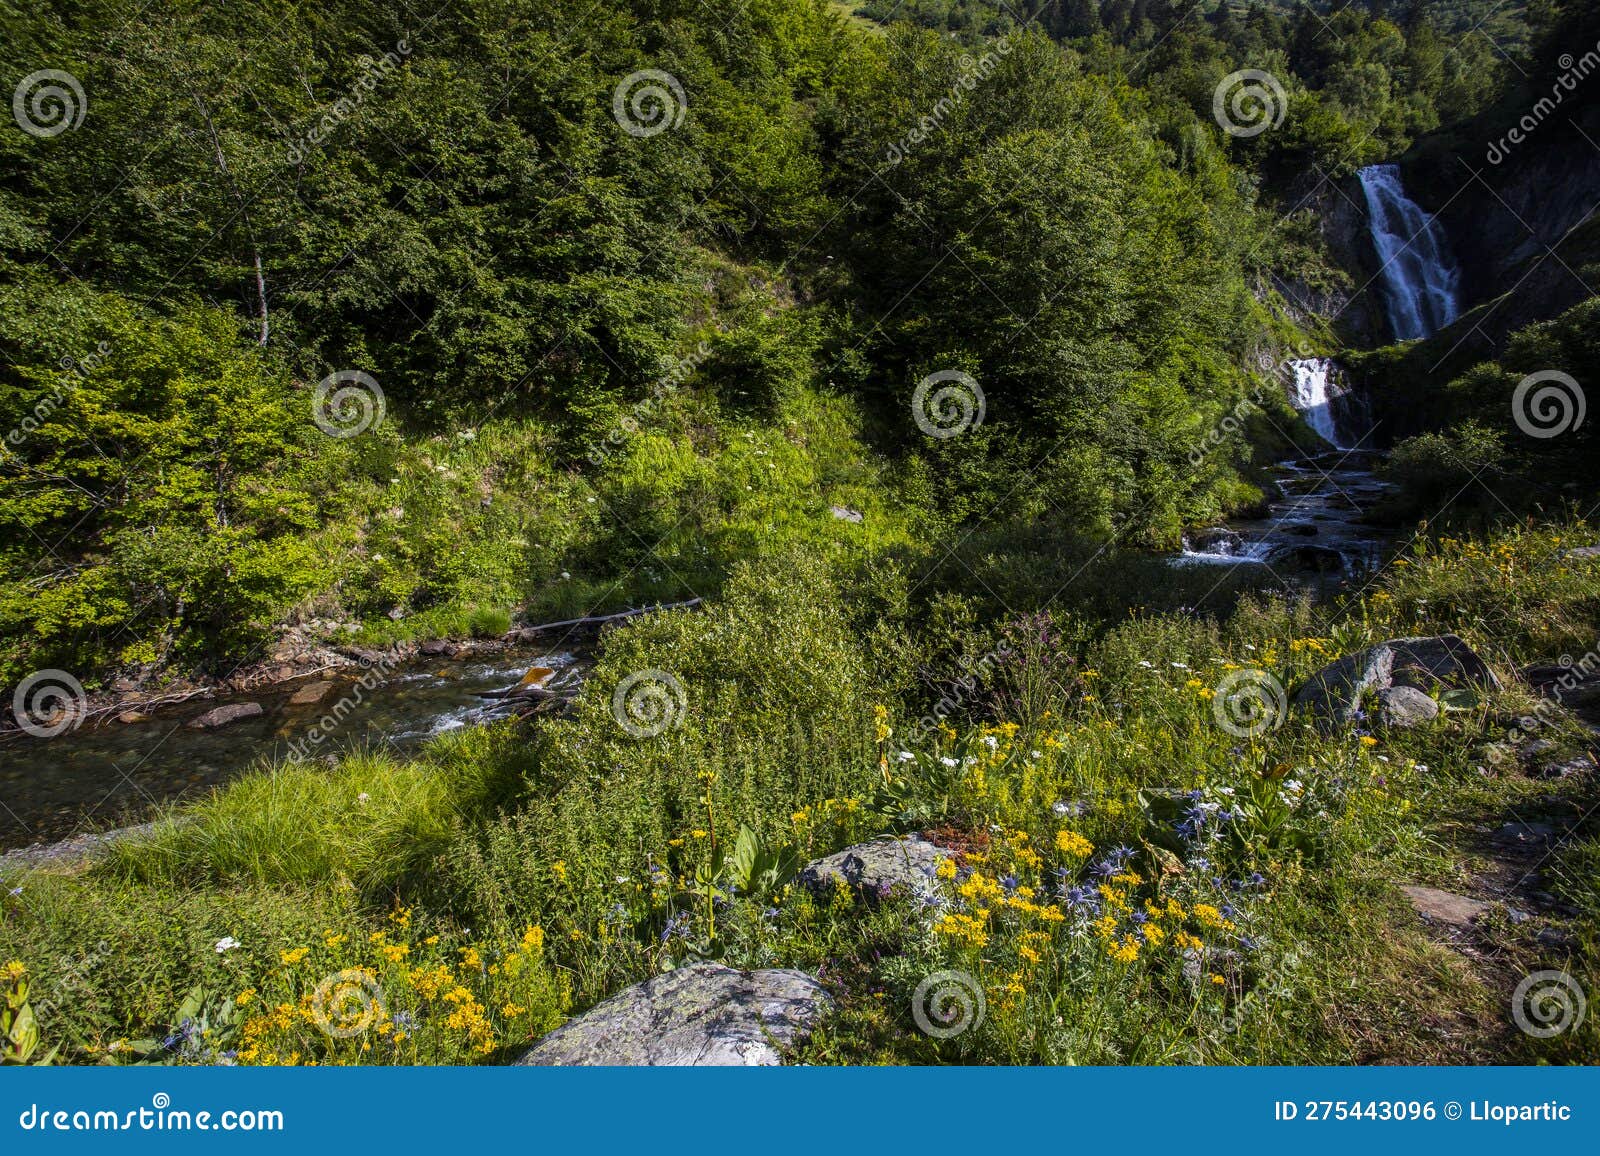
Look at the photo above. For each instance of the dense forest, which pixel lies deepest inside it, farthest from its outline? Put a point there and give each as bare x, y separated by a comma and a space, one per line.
908, 340
451, 208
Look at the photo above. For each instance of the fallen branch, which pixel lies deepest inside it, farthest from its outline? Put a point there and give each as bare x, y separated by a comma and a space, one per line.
148, 704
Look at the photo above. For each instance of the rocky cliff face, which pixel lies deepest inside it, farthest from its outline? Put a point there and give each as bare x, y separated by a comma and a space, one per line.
1355, 309
1524, 231
1522, 223
1509, 217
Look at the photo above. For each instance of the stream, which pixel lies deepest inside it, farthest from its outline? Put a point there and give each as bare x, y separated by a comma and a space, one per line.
1314, 533
113, 774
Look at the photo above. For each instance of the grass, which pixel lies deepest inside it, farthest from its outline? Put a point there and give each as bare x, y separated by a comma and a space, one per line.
544, 870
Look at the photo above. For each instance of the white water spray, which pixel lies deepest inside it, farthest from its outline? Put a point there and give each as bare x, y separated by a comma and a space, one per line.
1419, 271
1313, 395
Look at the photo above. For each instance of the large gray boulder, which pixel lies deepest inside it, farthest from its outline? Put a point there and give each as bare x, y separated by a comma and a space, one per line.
701, 1015
1334, 695
877, 868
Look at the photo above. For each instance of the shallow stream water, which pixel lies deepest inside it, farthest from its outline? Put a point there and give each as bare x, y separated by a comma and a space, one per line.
113, 774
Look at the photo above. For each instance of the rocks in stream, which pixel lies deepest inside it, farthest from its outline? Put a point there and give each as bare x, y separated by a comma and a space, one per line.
1214, 540
1307, 559
311, 692
702, 1014
223, 715
1335, 695
876, 868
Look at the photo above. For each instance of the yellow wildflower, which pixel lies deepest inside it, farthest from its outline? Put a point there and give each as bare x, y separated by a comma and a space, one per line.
1073, 845
1124, 952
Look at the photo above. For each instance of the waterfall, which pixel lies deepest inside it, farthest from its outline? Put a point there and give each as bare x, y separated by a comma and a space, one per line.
1338, 416
1419, 271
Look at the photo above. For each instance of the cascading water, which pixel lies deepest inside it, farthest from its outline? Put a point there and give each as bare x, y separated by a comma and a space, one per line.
1313, 396
1419, 272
